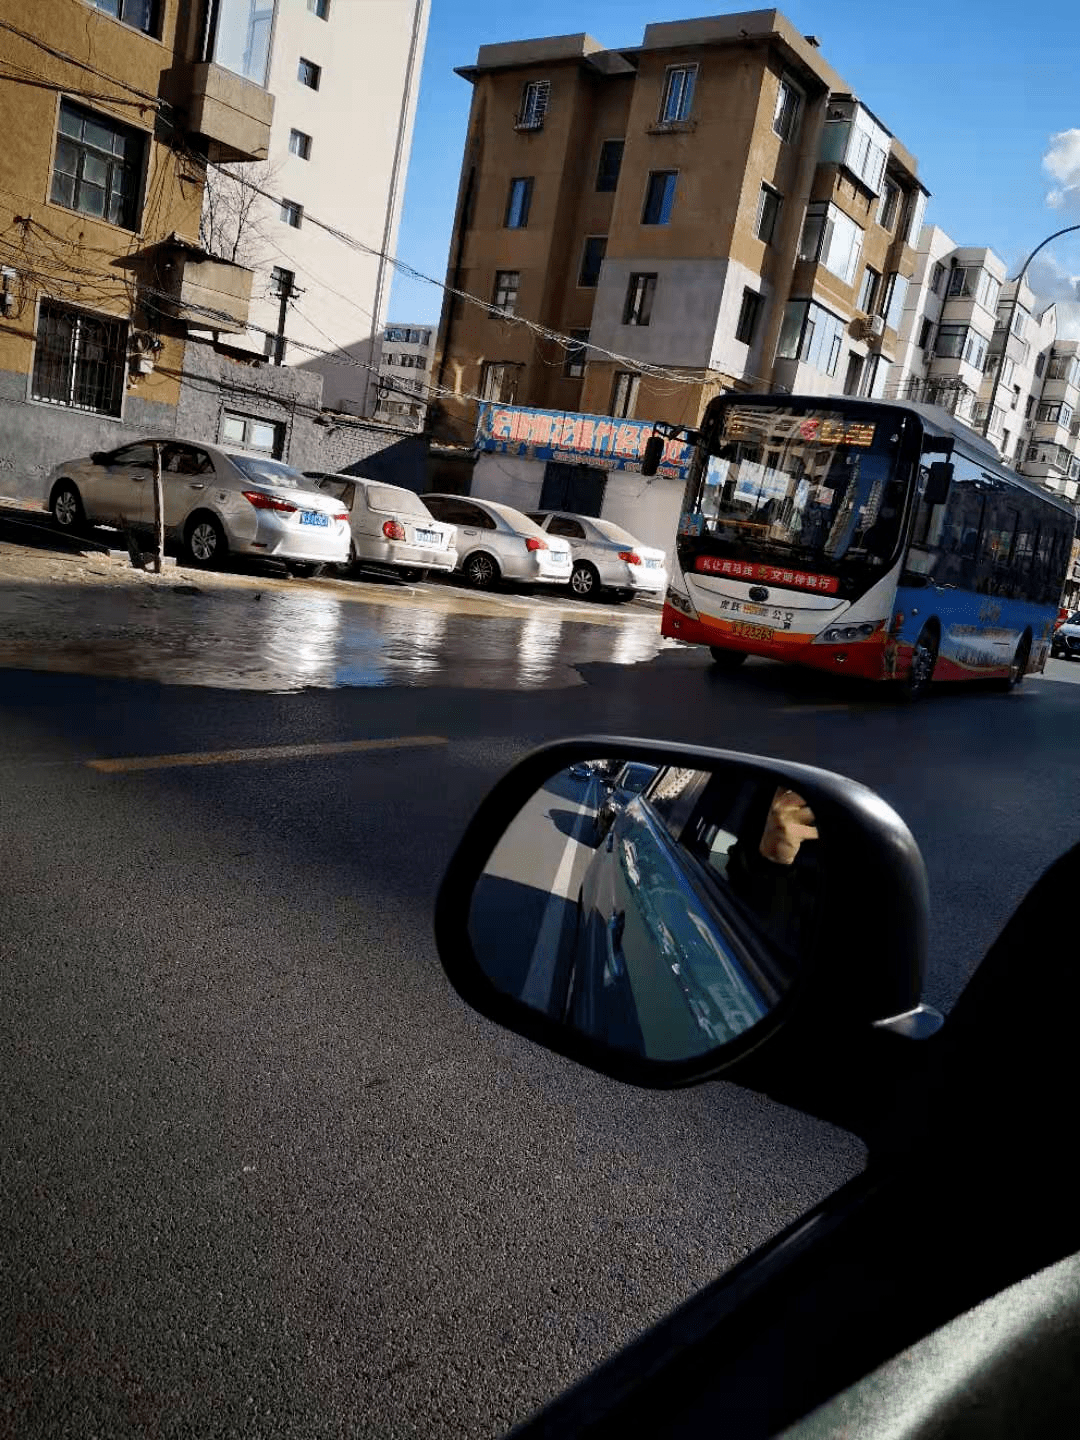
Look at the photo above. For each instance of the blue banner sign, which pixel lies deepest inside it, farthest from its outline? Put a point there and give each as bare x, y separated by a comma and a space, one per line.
575, 439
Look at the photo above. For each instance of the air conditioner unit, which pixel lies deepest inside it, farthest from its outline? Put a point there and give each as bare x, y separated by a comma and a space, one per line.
875, 326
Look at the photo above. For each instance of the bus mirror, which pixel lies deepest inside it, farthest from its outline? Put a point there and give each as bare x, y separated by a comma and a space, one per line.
654, 453
938, 480
692, 437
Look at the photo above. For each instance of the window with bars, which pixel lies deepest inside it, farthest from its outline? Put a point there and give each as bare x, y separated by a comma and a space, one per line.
98, 166
507, 283
624, 393
534, 105
139, 14
639, 300
79, 359
574, 364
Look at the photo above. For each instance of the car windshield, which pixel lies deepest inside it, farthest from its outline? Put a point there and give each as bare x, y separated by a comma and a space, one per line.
393, 497
272, 472
614, 532
635, 777
816, 486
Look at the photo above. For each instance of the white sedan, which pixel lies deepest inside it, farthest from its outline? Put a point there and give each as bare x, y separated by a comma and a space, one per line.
496, 542
605, 556
216, 503
392, 528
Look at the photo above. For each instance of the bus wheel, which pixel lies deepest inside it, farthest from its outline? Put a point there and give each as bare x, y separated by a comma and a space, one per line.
923, 659
726, 659
1018, 668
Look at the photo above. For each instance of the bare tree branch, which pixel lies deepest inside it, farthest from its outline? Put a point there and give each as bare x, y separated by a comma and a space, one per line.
236, 219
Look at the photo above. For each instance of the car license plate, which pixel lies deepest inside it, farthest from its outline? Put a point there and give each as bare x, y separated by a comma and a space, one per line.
752, 632
427, 537
652, 564
314, 517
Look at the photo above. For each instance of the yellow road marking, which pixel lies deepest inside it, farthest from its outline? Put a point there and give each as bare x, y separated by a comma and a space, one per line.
261, 752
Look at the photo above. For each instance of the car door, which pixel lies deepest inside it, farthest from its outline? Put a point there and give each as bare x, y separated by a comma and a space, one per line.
121, 490
186, 473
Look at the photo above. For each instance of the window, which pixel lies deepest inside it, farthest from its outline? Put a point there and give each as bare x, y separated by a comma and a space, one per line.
961, 342
499, 382
1018, 322
308, 73
300, 144
185, 460
506, 290
534, 105
895, 295
281, 281
1040, 364
854, 374
869, 292
79, 359
264, 437
574, 365
926, 335
139, 14
607, 173
749, 311
639, 300
518, 202
678, 93
787, 109
659, 197
1057, 414
1029, 407
592, 258
624, 394
937, 275
242, 37
1062, 367
768, 212
98, 166
292, 213
811, 334
832, 239
319, 8
890, 203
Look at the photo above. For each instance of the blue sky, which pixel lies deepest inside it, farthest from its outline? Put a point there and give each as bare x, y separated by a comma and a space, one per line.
976, 93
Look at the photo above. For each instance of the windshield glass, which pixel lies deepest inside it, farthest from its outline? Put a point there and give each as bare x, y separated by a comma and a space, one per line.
392, 497
272, 472
635, 777
614, 532
817, 487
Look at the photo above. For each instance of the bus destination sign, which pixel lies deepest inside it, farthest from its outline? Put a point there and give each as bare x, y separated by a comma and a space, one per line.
776, 425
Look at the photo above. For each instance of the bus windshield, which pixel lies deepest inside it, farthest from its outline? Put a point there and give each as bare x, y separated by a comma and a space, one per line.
824, 489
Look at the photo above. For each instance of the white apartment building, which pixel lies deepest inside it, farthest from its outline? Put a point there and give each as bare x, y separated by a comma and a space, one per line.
345, 76
406, 354
953, 346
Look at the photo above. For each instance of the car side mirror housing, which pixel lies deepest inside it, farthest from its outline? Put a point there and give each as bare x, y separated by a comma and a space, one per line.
101, 457
663, 914
654, 453
939, 479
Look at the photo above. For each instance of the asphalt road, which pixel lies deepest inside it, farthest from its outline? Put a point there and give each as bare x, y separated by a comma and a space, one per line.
261, 1173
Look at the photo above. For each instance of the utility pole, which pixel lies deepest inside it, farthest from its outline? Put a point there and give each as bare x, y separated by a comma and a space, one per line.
159, 514
1012, 320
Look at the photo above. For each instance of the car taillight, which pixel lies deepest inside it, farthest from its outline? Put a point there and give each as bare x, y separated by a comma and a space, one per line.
535, 543
630, 557
393, 530
342, 515
267, 502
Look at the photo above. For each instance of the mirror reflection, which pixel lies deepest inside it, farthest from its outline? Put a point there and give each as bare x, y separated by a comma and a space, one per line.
663, 911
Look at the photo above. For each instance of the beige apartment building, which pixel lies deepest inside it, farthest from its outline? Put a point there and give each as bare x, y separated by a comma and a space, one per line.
711, 209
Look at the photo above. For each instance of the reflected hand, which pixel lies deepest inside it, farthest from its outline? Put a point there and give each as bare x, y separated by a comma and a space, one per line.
790, 822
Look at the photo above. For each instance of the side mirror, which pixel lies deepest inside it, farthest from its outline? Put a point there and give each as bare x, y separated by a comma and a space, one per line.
660, 925
938, 480
654, 453
101, 457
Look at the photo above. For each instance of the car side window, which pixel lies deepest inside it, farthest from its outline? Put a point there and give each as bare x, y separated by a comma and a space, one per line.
186, 460
673, 794
141, 455
571, 529
538, 518
343, 490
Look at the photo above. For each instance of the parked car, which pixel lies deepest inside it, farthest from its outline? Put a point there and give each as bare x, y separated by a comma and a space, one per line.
496, 542
605, 556
216, 503
1065, 641
391, 526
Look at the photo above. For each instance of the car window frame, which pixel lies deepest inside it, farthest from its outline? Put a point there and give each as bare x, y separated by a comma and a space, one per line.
117, 456
207, 468
562, 534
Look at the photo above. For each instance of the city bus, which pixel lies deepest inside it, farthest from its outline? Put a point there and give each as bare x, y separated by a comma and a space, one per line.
877, 539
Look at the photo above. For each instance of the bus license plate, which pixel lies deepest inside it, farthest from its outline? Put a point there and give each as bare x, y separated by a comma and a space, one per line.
752, 632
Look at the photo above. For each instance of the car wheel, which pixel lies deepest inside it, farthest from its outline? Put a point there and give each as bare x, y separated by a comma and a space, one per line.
584, 581
205, 544
726, 659
1018, 667
923, 660
480, 570
67, 508
303, 569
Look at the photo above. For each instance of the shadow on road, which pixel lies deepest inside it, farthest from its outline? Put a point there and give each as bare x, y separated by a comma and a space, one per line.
504, 926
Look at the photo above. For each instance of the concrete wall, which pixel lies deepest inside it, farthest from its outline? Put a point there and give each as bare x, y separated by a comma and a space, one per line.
509, 479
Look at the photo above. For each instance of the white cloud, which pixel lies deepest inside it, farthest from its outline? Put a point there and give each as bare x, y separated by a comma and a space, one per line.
1062, 163
1053, 283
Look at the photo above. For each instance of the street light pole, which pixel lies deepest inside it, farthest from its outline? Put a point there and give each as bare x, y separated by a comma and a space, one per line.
1012, 317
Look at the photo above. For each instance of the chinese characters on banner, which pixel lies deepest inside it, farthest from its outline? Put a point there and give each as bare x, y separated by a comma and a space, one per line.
576, 439
767, 574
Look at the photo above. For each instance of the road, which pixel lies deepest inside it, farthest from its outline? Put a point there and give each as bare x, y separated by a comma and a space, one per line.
263, 1174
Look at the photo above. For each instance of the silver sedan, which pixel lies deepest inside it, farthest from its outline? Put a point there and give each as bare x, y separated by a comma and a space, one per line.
498, 542
605, 556
216, 503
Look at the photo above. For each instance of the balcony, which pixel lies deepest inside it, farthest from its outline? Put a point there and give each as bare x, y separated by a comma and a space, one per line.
232, 114
205, 292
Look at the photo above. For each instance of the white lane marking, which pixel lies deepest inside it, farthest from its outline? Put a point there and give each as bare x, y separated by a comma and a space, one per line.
536, 991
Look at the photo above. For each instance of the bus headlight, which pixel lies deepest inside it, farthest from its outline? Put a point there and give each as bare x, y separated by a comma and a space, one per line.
836, 634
